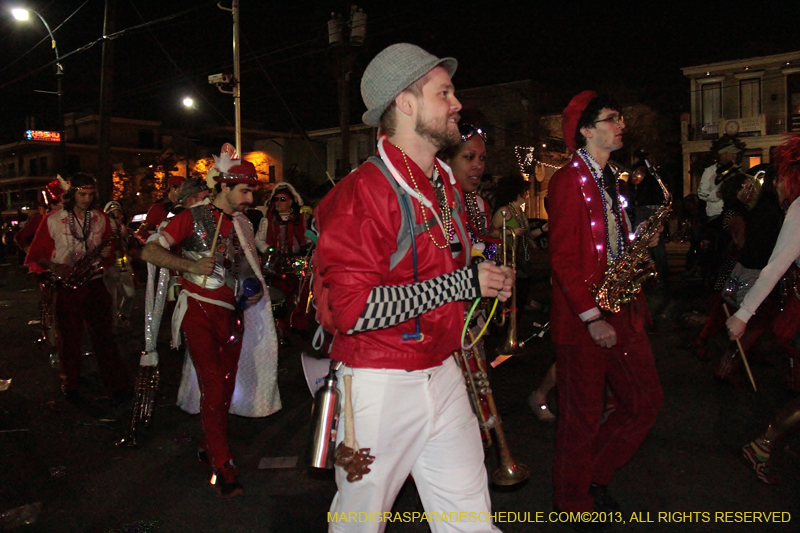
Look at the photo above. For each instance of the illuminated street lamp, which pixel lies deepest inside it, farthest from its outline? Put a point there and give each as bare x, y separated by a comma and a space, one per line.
23, 15
188, 103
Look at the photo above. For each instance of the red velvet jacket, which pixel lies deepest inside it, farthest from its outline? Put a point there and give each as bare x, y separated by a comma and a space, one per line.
359, 221
578, 256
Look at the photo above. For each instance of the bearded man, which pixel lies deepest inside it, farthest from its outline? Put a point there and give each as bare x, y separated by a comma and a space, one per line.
395, 300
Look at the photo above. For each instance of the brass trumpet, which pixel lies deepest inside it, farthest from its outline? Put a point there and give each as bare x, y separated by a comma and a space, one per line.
511, 345
473, 365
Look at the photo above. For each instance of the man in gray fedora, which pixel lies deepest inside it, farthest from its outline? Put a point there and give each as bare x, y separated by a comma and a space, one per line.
396, 301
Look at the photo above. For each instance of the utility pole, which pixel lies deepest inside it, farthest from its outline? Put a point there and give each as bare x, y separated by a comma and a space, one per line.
104, 174
343, 55
221, 79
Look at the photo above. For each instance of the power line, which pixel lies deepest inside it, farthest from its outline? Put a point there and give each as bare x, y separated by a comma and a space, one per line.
45, 38
174, 64
112, 36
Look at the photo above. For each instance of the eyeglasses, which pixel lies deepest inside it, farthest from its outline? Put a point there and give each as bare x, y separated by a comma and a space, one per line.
613, 119
280, 199
468, 130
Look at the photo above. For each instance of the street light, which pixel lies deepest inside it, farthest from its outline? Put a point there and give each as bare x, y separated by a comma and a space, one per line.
188, 103
24, 14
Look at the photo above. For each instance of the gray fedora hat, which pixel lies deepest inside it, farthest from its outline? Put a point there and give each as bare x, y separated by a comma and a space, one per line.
190, 187
391, 71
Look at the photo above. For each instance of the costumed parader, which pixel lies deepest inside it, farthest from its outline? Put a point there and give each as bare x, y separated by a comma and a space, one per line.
74, 244
594, 344
51, 201
219, 299
391, 277
119, 277
784, 261
281, 240
160, 210
467, 160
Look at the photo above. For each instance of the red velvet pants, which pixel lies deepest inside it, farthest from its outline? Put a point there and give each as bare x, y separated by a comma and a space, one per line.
89, 303
207, 328
586, 450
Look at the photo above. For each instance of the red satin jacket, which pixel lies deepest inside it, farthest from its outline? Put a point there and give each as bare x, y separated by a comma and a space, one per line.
578, 255
359, 222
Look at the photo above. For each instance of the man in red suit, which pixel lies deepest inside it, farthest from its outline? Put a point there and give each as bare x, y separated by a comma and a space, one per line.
588, 232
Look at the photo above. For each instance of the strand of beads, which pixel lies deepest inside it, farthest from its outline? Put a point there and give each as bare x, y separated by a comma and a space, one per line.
445, 210
598, 178
86, 228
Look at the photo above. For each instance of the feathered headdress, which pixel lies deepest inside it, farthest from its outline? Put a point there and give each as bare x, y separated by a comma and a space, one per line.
231, 171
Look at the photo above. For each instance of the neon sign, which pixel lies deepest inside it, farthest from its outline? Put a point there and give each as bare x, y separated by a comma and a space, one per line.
34, 135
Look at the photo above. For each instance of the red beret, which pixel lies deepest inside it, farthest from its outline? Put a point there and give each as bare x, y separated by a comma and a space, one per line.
572, 115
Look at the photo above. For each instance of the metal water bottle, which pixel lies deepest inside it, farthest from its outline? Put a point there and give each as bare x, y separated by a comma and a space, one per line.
324, 421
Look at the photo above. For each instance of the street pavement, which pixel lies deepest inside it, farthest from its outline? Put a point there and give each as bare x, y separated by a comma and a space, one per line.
62, 472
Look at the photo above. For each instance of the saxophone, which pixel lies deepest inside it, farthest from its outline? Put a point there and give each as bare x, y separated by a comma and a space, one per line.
624, 278
87, 266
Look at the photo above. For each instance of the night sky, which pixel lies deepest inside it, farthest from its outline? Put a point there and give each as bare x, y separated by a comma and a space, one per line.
629, 49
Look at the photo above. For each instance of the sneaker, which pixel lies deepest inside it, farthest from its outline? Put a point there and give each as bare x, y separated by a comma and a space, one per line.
603, 501
762, 468
224, 480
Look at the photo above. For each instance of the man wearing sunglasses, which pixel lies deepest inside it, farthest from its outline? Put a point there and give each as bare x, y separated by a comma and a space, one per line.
588, 232
396, 302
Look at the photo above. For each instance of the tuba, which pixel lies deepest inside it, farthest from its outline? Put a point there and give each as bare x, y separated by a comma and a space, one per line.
623, 280
473, 365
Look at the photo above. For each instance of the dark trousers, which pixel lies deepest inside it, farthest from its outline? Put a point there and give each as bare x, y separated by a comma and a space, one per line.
207, 328
586, 450
89, 303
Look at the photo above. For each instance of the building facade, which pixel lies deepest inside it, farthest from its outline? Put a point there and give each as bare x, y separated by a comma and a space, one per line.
756, 99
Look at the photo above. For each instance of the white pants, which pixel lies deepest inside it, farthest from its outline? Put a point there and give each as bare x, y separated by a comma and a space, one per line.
417, 423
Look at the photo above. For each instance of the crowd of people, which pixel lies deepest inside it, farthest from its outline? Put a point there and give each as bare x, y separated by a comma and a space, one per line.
400, 247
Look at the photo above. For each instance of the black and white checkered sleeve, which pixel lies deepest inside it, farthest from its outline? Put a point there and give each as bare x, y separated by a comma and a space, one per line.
394, 304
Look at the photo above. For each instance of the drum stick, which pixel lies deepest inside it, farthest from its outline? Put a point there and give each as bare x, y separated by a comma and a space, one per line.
349, 424
741, 352
214, 242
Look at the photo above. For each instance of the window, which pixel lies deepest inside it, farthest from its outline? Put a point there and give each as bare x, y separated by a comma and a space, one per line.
752, 160
712, 106
43, 165
793, 101
34, 167
272, 173
750, 97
